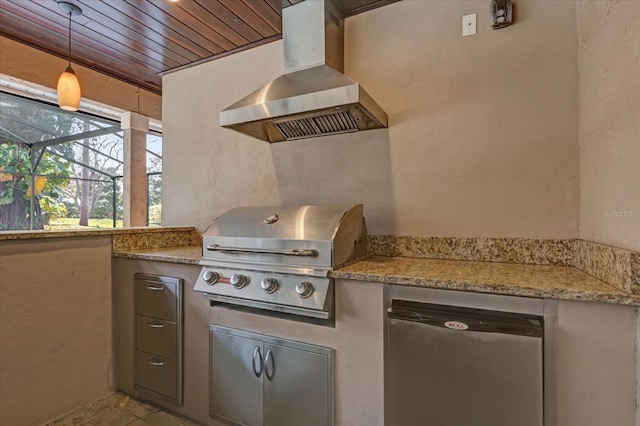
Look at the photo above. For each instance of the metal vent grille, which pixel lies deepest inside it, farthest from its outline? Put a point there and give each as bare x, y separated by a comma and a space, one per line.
341, 122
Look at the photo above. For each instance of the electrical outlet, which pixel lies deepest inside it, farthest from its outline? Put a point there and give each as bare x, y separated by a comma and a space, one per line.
500, 14
469, 24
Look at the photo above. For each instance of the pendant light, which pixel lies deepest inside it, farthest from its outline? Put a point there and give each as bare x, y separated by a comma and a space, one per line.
68, 84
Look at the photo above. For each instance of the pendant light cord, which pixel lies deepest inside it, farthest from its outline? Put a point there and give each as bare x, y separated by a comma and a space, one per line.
69, 39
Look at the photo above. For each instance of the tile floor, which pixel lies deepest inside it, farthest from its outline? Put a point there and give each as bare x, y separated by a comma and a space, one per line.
119, 409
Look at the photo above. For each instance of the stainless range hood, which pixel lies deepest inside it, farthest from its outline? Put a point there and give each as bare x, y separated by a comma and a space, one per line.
312, 97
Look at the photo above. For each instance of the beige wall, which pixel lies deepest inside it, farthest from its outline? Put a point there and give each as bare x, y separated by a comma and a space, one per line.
609, 62
55, 327
482, 139
32, 65
207, 170
597, 364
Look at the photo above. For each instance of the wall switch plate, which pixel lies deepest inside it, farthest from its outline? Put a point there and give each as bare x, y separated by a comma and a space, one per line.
469, 24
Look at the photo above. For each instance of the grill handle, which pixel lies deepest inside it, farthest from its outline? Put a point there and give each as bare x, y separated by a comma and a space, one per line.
286, 252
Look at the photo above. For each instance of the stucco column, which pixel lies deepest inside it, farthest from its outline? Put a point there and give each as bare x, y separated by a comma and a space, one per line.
134, 197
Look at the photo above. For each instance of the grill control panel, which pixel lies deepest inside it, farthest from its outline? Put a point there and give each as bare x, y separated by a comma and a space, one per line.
266, 289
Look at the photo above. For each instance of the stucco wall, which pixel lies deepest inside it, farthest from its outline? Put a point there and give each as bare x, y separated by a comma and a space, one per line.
55, 327
609, 63
32, 65
597, 363
482, 139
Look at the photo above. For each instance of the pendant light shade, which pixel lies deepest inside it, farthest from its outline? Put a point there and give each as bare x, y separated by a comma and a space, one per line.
68, 85
69, 90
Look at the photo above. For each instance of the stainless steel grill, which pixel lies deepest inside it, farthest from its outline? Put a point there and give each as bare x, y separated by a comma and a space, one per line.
279, 258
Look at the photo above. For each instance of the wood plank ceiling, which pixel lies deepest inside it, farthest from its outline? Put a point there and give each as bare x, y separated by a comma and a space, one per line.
138, 40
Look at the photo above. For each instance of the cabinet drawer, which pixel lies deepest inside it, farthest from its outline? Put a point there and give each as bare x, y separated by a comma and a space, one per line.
156, 337
156, 374
156, 298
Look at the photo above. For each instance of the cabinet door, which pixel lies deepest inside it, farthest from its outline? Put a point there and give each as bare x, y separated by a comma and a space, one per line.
235, 382
298, 386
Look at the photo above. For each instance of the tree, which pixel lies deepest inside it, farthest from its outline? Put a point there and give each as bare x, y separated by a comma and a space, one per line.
23, 127
87, 192
15, 186
154, 185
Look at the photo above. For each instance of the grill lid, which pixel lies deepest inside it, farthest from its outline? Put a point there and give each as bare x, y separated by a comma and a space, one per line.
288, 223
319, 236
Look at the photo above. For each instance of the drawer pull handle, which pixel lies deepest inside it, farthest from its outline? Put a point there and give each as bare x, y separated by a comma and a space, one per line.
154, 288
154, 325
156, 362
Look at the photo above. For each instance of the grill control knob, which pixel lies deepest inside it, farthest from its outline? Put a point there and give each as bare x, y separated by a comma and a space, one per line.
238, 281
210, 277
304, 289
269, 285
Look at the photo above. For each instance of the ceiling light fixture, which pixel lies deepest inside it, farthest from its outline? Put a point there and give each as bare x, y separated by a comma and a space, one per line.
68, 84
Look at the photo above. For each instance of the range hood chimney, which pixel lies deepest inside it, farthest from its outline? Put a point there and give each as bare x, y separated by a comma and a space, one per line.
312, 97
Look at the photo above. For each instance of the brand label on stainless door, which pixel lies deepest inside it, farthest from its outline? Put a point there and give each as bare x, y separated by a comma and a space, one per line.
456, 325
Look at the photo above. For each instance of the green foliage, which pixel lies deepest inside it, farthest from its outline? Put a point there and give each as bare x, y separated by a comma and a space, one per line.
72, 223
52, 211
155, 214
15, 186
155, 189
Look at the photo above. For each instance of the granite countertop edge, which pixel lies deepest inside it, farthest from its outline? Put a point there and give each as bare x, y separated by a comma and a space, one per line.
187, 255
493, 288
577, 285
90, 232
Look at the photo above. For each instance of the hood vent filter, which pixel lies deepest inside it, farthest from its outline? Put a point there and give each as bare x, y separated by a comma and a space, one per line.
330, 124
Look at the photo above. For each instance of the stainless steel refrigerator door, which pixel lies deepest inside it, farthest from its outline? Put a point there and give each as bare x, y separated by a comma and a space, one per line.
450, 377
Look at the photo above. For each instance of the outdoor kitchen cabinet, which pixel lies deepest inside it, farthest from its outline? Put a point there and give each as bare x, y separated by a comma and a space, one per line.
158, 336
262, 380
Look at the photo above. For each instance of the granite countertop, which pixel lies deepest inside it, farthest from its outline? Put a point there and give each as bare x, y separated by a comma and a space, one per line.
542, 281
89, 232
190, 254
519, 267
